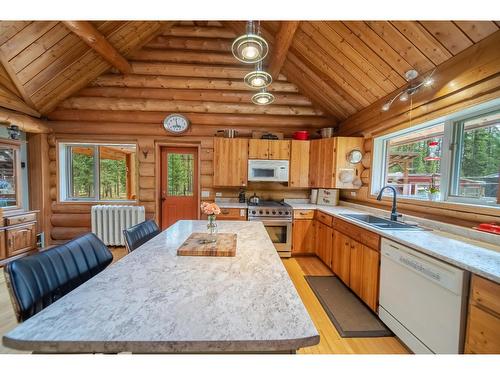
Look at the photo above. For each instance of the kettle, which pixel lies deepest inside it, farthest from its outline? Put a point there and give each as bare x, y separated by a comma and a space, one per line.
254, 199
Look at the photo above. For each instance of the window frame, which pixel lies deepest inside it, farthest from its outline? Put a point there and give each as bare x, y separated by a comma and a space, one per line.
16, 146
450, 158
65, 172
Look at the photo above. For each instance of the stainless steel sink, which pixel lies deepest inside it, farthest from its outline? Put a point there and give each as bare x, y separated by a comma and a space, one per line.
382, 223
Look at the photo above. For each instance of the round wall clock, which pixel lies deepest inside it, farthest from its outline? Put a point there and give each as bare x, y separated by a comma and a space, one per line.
176, 123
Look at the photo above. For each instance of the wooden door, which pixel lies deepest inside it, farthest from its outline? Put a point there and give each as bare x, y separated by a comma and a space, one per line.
230, 161
299, 164
370, 277
279, 150
314, 160
179, 185
3, 249
21, 239
356, 266
327, 163
303, 237
258, 149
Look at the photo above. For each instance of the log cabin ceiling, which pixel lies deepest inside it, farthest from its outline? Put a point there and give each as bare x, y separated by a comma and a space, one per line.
325, 71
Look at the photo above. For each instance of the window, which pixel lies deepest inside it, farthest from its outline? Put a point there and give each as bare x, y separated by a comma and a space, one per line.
97, 172
9, 175
454, 159
180, 174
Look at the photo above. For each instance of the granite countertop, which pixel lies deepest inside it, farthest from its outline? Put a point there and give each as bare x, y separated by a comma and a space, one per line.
153, 301
480, 258
232, 205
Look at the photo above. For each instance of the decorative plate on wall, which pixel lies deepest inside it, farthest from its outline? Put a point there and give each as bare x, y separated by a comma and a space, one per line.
176, 123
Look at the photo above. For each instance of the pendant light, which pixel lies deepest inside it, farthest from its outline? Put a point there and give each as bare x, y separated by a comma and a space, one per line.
258, 79
263, 97
250, 48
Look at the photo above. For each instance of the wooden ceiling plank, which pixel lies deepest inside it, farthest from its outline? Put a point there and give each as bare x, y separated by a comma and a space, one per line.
402, 45
13, 78
189, 94
39, 47
146, 81
476, 63
11, 101
124, 42
158, 105
332, 52
184, 43
423, 40
383, 81
176, 56
359, 45
310, 51
7, 82
26, 123
10, 28
95, 40
25, 37
205, 32
379, 46
477, 30
448, 34
282, 43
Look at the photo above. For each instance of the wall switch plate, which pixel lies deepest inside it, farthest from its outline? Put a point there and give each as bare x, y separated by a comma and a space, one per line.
218, 194
205, 194
353, 193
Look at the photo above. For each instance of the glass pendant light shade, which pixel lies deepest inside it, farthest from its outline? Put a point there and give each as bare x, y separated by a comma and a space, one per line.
263, 97
250, 48
258, 79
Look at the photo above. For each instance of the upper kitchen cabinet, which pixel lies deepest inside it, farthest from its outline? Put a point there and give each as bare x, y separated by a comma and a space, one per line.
299, 164
230, 161
268, 149
329, 165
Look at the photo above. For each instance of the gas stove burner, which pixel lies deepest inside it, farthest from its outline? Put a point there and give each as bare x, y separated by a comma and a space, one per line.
270, 210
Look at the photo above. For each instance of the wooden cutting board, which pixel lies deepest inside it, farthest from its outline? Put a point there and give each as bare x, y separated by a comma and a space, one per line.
195, 246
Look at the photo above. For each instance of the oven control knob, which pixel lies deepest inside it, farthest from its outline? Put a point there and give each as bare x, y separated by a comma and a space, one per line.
286, 212
253, 212
267, 212
281, 212
260, 212
274, 212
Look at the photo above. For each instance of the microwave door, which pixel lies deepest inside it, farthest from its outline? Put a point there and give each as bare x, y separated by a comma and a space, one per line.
263, 174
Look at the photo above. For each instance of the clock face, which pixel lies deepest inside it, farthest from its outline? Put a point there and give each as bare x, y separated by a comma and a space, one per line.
354, 157
176, 123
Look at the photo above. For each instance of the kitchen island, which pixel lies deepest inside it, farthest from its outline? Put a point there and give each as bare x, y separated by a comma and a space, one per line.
153, 301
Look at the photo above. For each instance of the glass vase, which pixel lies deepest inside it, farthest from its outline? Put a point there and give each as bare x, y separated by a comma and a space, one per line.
212, 229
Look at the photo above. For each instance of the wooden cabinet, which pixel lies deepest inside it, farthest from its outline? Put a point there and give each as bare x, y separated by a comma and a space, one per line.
483, 321
324, 242
358, 266
230, 161
232, 214
3, 248
303, 214
268, 149
303, 236
20, 239
299, 164
328, 162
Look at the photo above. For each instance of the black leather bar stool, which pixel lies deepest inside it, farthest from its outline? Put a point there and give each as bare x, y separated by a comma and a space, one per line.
139, 234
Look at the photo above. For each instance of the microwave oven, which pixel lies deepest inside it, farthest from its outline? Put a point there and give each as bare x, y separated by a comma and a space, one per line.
268, 170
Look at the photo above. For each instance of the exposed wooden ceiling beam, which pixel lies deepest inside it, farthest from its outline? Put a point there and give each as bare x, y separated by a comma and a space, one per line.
282, 43
95, 40
27, 124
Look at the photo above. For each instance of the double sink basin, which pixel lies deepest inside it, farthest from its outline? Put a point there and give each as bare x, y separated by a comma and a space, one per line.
382, 223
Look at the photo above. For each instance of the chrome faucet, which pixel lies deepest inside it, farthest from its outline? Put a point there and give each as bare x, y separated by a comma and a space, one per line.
394, 214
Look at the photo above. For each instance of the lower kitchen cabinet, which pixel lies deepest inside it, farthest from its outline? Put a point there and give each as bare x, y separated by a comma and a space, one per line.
21, 239
370, 273
324, 242
303, 237
342, 257
232, 214
483, 321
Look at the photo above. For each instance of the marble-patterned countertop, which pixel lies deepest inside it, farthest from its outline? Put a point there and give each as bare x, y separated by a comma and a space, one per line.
230, 203
478, 257
153, 301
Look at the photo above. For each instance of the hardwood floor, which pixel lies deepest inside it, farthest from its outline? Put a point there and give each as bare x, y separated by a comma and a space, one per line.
330, 342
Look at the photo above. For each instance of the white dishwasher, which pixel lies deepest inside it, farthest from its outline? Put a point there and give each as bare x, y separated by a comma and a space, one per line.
422, 300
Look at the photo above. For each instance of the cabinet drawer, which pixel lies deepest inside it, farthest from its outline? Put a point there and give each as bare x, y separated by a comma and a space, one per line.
21, 239
362, 235
483, 332
303, 214
485, 293
324, 218
19, 219
232, 214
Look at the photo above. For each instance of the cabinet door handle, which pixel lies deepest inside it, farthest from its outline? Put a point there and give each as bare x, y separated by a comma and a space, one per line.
224, 212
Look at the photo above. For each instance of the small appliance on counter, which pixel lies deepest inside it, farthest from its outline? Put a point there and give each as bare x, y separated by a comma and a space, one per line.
314, 196
328, 197
254, 199
241, 196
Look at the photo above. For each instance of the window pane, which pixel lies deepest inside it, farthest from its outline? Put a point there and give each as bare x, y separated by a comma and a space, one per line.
8, 177
117, 168
480, 158
82, 172
414, 162
180, 174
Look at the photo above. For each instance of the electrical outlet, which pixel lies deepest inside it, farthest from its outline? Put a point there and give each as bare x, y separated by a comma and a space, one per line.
353, 193
205, 194
218, 194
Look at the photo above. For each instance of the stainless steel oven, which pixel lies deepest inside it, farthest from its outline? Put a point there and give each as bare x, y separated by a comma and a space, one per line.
280, 233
